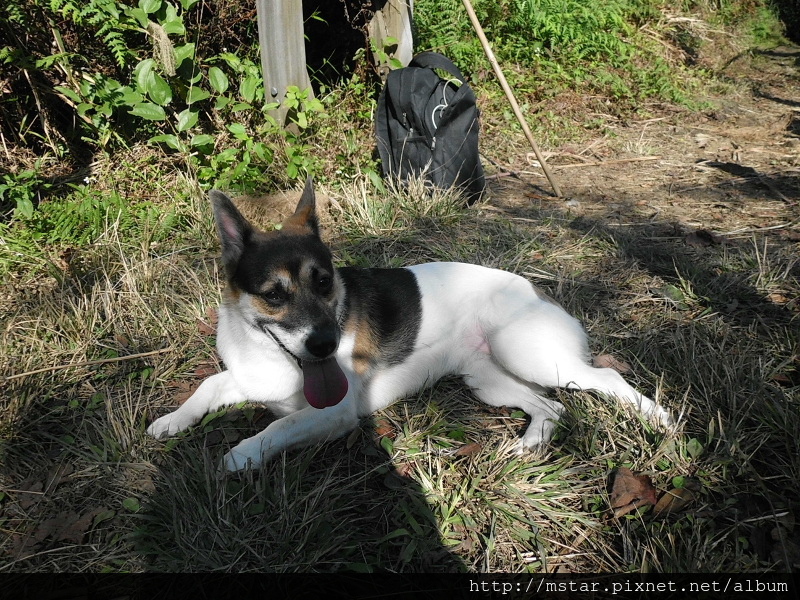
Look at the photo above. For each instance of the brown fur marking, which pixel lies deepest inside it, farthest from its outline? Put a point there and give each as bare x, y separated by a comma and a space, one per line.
299, 222
365, 346
265, 309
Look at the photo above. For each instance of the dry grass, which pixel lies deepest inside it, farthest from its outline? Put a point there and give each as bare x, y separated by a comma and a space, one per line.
85, 489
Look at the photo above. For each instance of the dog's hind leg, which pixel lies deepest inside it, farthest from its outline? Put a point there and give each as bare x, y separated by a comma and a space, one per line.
498, 388
215, 392
550, 350
610, 383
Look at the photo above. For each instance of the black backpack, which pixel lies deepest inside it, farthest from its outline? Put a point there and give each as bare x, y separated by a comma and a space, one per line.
428, 126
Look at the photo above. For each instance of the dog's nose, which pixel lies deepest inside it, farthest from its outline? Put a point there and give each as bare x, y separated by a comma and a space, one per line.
322, 342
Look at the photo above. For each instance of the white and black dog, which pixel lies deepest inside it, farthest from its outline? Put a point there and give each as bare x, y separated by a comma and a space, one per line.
323, 347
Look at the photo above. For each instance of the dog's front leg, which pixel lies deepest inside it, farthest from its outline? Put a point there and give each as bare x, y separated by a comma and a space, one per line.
304, 427
215, 392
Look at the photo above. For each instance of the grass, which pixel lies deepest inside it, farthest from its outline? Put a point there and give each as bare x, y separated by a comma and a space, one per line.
429, 484
106, 325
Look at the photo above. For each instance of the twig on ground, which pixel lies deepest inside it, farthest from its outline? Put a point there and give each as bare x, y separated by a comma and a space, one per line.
607, 162
89, 363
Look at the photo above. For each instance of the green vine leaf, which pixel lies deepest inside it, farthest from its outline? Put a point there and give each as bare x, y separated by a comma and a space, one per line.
248, 88
150, 6
187, 119
149, 111
196, 94
218, 80
158, 89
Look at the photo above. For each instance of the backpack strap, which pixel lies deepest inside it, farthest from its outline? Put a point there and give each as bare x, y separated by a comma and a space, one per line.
434, 60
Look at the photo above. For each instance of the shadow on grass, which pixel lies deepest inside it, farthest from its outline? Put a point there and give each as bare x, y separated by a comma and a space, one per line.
337, 507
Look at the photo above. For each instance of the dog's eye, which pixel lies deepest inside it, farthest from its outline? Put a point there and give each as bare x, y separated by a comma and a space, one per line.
324, 284
275, 297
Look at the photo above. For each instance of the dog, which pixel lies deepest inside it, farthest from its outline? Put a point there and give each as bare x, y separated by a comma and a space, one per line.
325, 346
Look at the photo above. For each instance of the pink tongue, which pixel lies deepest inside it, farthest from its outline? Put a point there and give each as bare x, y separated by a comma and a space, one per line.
324, 383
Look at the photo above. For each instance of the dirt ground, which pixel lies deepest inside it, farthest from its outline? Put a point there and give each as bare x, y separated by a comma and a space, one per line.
722, 173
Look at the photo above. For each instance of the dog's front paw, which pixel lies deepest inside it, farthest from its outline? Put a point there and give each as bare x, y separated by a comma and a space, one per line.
656, 413
538, 434
235, 462
168, 426
248, 454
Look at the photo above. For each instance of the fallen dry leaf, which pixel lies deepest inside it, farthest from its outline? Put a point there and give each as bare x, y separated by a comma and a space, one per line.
702, 238
206, 369
777, 298
468, 450
183, 390
66, 527
58, 474
606, 361
791, 235
673, 501
383, 427
208, 326
399, 477
467, 543
29, 492
790, 379
405, 470
630, 492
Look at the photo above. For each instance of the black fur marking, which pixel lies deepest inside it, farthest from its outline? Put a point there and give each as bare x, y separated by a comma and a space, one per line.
388, 302
264, 254
233, 229
263, 325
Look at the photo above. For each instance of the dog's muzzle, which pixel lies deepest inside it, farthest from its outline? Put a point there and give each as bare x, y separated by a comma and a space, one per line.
323, 341
324, 382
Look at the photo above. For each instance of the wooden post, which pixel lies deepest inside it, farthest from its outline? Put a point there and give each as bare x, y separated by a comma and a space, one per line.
283, 51
393, 20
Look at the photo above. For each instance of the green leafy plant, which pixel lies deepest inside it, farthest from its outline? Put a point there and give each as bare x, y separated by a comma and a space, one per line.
570, 43
21, 189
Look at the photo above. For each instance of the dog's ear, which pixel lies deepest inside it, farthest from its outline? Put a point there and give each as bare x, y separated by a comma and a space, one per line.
305, 215
232, 227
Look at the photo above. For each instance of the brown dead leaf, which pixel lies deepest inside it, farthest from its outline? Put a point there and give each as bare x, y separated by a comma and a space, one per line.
383, 427
23, 546
606, 361
66, 526
29, 492
57, 475
208, 326
206, 369
791, 235
630, 492
405, 469
469, 450
399, 477
54, 527
787, 379
467, 543
673, 501
777, 298
183, 390
702, 238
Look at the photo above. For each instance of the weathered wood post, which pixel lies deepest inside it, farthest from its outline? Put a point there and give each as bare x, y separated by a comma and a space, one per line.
393, 20
283, 50
282, 42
